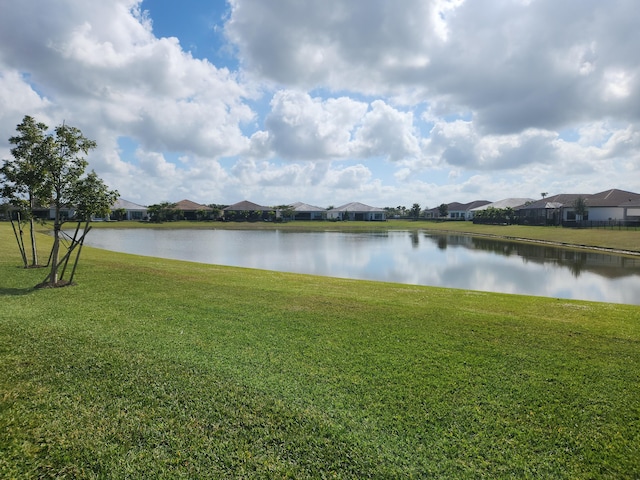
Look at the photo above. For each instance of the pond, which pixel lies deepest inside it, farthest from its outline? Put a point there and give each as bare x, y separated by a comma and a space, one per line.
409, 257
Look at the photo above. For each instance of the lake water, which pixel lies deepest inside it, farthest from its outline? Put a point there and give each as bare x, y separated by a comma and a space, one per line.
416, 257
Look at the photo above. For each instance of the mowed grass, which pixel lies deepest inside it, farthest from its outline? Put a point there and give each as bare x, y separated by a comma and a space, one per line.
152, 368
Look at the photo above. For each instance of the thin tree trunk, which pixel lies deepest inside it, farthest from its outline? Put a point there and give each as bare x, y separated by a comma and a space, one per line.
65, 260
23, 254
81, 242
34, 250
53, 276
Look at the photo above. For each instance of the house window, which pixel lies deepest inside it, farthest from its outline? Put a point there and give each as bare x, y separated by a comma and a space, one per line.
571, 215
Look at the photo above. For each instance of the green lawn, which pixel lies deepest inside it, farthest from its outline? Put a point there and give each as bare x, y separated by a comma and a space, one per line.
152, 368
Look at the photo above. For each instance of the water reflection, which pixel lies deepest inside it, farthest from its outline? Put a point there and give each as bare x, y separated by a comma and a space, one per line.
417, 257
576, 261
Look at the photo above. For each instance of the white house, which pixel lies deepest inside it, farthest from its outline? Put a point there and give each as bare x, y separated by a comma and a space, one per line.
611, 205
304, 211
131, 211
356, 211
501, 204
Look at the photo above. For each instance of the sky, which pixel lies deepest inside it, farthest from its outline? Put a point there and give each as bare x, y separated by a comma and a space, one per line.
333, 101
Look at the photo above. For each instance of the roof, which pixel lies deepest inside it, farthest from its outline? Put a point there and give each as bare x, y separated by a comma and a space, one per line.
305, 207
506, 203
127, 205
356, 207
189, 205
608, 198
245, 205
556, 201
612, 198
457, 206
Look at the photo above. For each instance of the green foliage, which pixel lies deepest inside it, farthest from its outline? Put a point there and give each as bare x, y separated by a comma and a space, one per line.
580, 207
287, 212
92, 198
21, 177
49, 169
201, 371
164, 212
443, 210
415, 211
119, 214
496, 216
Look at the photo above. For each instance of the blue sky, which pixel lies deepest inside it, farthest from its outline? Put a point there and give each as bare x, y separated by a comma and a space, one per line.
332, 101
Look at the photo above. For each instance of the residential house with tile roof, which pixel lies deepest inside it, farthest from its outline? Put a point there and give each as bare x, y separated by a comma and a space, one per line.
608, 206
456, 210
126, 210
356, 211
246, 210
192, 210
549, 210
611, 205
304, 211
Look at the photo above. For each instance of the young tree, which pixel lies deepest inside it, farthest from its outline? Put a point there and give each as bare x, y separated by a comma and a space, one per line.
287, 212
443, 210
580, 207
415, 211
65, 183
21, 178
163, 212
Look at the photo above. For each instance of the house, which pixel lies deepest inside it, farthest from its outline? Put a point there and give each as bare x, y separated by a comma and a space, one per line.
304, 211
611, 205
513, 203
462, 211
192, 210
126, 210
356, 211
549, 210
607, 206
456, 210
632, 211
246, 210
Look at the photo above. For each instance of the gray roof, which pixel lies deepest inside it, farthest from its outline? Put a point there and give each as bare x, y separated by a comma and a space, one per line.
608, 198
506, 203
612, 198
356, 207
245, 205
556, 201
305, 207
188, 205
127, 205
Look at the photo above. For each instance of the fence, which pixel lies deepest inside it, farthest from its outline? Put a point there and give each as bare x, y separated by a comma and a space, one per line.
604, 224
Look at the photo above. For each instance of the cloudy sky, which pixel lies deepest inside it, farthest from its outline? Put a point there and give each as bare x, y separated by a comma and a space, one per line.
329, 101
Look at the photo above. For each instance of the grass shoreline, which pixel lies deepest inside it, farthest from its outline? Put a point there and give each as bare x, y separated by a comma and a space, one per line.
153, 368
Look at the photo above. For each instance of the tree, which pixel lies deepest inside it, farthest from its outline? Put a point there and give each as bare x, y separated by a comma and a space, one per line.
544, 194
216, 210
443, 210
287, 212
163, 212
415, 211
21, 178
66, 185
580, 207
119, 214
